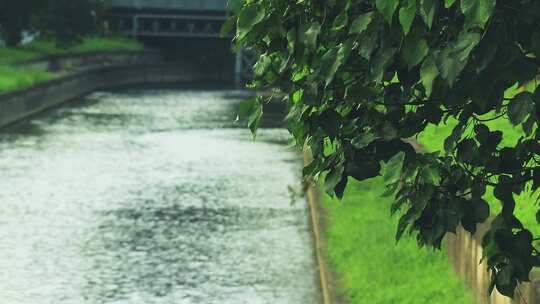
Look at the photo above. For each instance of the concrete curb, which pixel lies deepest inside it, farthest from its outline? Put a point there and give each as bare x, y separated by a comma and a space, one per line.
314, 216
317, 218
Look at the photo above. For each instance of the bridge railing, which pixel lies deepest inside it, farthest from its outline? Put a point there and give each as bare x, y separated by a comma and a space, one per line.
156, 25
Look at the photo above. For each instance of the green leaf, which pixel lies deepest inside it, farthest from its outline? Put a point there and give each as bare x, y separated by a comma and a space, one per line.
262, 65
387, 8
340, 22
402, 225
329, 120
504, 194
345, 50
363, 170
428, 73
520, 107
379, 62
427, 11
339, 189
399, 202
388, 131
255, 117
454, 57
363, 140
369, 42
392, 168
406, 15
329, 65
430, 175
311, 35
245, 108
249, 17
331, 61
357, 93
466, 150
450, 141
481, 210
465, 43
361, 23
536, 100
449, 3
505, 281
333, 178
227, 26
414, 50
477, 12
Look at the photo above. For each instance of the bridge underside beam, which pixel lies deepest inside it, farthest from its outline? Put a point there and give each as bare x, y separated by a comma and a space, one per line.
159, 25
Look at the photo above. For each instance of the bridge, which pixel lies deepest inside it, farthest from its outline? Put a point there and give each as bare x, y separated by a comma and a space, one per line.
180, 19
171, 18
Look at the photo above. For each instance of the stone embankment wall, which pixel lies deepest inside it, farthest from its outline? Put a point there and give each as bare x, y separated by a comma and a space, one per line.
465, 252
78, 75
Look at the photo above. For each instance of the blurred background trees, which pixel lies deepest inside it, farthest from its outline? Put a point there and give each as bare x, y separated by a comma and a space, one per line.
64, 21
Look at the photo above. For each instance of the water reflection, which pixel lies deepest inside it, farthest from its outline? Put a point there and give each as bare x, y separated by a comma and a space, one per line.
150, 197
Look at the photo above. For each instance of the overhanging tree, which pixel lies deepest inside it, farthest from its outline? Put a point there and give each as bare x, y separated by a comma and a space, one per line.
362, 75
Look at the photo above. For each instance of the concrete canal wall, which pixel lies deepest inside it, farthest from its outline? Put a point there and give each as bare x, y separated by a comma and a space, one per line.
81, 74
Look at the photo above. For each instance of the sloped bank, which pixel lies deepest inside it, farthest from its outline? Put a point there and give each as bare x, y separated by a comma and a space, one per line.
81, 74
360, 262
350, 235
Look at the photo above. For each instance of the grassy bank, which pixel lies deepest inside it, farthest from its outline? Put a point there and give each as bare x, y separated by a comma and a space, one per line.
40, 48
361, 242
373, 269
13, 77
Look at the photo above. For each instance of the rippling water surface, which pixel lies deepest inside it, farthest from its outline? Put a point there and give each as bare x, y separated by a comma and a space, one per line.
150, 197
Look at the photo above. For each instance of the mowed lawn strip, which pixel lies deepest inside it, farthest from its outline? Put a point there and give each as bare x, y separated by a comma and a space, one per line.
374, 269
14, 77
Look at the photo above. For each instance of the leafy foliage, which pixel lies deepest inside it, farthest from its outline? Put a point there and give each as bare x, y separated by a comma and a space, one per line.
361, 75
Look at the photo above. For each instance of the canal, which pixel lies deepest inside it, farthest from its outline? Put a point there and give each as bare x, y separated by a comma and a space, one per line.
151, 196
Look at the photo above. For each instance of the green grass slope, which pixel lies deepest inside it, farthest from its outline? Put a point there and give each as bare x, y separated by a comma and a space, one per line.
44, 47
14, 77
374, 270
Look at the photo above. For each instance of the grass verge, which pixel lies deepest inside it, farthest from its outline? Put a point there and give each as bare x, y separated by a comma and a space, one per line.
13, 77
363, 251
87, 45
40, 48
